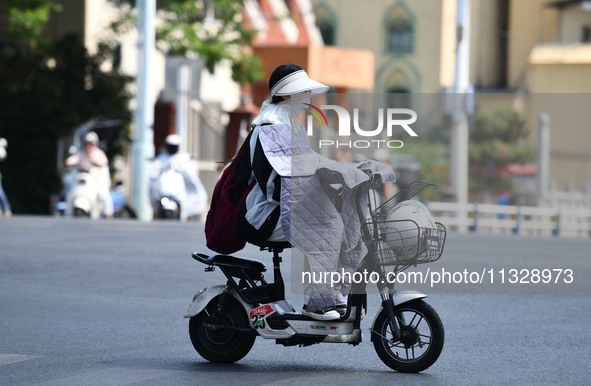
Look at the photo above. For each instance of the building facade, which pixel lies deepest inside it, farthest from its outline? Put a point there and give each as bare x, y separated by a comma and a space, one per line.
531, 55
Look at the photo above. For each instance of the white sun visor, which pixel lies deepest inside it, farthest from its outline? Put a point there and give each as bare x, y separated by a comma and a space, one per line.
297, 82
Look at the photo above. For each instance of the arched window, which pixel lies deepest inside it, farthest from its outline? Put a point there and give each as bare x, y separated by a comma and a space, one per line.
400, 37
400, 30
326, 23
586, 35
399, 98
327, 32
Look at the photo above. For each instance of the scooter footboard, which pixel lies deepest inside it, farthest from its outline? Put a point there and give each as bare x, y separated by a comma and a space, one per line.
203, 297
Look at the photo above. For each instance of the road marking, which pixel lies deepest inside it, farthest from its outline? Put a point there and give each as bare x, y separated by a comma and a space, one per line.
6, 359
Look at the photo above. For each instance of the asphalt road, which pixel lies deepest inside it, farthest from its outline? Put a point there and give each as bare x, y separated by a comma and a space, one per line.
102, 302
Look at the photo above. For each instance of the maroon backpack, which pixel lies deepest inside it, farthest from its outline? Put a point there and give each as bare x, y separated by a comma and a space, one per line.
221, 224
222, 234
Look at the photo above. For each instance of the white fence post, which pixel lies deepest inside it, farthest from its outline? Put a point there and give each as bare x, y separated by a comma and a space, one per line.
474, 227
518, 220
557, 230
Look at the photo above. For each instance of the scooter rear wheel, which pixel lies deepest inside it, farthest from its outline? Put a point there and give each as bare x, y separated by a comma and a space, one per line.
221, 345
422, 339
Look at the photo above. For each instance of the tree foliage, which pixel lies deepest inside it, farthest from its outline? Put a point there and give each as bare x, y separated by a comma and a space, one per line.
27, 19
49, 88
211, 29
430, 154
496, 141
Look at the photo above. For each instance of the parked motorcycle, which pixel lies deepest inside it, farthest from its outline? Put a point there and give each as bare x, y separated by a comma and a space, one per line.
407, 333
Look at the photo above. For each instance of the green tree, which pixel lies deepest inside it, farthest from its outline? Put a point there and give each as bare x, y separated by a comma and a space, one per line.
211, 29
49, 88
430, 154
496, 141
27, 19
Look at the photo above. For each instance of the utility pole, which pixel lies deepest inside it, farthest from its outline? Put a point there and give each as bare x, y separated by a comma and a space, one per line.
182, 103
543, 157
143, 142
459, 135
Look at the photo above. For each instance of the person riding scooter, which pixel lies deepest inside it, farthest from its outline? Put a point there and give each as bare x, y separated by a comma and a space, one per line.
300, 196
93, 160
174, 180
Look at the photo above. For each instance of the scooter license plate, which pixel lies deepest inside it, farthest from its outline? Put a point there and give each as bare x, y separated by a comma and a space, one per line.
433, 243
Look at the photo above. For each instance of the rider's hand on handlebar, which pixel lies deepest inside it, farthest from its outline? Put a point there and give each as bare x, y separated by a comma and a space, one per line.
376, 181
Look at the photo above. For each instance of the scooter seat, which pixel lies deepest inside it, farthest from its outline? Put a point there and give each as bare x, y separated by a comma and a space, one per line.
230, 261
278, 246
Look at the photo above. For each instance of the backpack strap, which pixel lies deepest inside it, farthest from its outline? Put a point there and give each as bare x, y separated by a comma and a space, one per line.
244, 167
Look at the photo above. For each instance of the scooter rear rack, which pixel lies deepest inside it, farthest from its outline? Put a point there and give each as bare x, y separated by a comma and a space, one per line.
245, 275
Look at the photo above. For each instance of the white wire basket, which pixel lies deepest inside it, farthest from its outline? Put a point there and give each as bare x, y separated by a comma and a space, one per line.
402, 242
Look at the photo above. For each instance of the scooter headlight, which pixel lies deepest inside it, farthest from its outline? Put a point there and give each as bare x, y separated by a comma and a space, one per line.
168, 204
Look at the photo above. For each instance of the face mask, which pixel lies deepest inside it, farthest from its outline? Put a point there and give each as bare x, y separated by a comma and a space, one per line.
298, 103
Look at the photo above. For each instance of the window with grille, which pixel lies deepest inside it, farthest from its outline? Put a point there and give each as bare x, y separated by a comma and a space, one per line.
586, 35
400, 37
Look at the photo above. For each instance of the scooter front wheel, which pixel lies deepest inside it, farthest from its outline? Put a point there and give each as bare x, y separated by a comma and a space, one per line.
220, 344
80, 213
421, 342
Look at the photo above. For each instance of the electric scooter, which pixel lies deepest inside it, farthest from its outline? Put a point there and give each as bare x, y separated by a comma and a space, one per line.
407, 333
171, 194
83, 197
176, 198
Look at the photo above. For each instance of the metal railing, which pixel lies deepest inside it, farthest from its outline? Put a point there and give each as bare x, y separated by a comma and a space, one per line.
519, 220
206, 132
